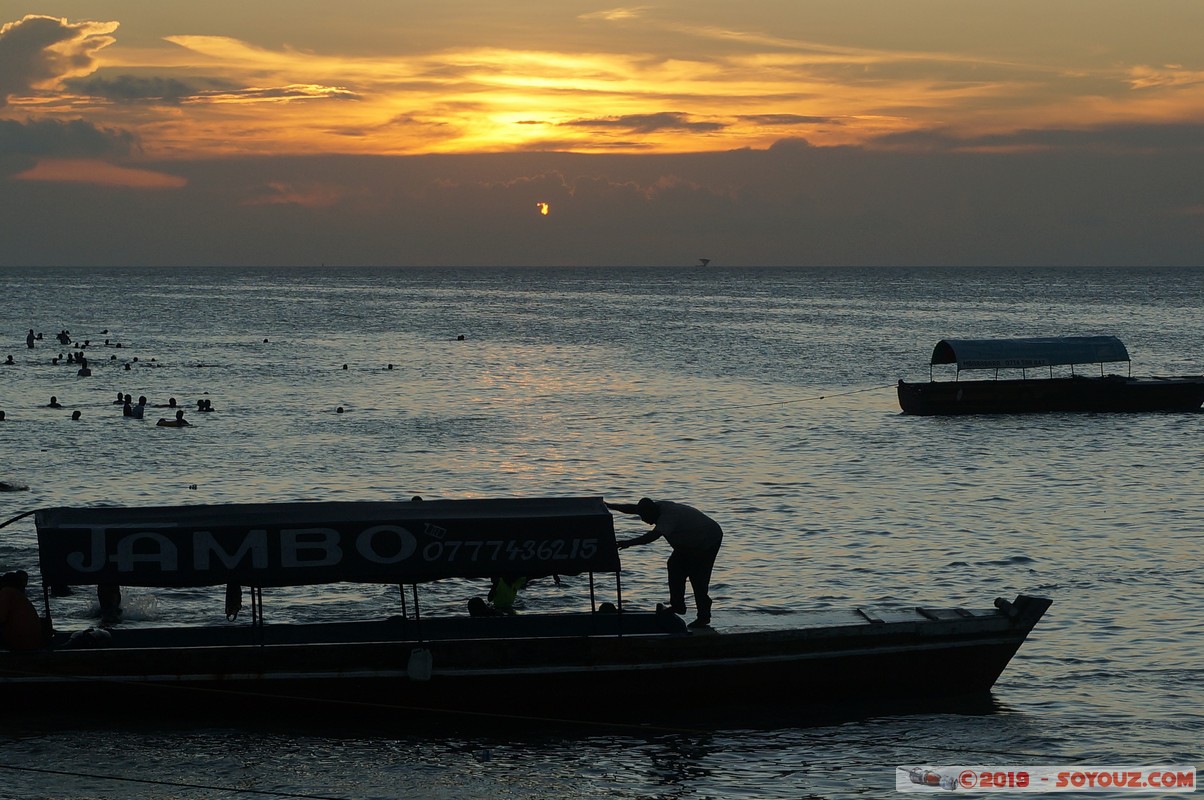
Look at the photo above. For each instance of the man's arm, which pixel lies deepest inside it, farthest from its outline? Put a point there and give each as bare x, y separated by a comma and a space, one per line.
650, 536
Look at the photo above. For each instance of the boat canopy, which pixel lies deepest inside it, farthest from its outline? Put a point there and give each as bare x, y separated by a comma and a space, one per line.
298, 544
1030, 352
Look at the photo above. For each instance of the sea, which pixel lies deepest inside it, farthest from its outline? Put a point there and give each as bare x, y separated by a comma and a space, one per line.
763, 396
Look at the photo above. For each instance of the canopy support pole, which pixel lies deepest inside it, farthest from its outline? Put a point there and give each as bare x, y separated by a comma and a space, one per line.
417, 613
47, 621
257, 614
618, 597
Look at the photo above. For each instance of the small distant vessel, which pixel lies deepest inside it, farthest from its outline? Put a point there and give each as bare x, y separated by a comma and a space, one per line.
1045, 393
604, 662
702, 262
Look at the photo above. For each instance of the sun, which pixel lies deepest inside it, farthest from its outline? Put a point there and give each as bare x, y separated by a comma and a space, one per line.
543, 208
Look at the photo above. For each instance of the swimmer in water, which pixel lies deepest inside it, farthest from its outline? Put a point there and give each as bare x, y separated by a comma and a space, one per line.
54, 402
178, 422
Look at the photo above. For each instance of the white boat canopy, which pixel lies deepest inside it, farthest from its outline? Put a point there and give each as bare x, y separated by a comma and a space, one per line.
1030, 352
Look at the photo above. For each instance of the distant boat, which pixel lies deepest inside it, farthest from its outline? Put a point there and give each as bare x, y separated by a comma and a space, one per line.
1026, 394
702, 262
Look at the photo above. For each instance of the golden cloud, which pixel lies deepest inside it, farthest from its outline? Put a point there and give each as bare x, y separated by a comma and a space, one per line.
86, 170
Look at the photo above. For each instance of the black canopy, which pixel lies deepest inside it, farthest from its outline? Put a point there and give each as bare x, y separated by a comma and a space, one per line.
1028, 352
295, 544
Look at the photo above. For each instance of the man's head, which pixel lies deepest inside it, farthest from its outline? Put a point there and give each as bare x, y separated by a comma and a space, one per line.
16, 580
648, 510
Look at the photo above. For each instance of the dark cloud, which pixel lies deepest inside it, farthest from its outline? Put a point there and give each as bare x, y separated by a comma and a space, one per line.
789, 119
172, 91
594, 145
295, 92
37, 51
1126, 138
135, 89
648, 123
71, 139
791, 143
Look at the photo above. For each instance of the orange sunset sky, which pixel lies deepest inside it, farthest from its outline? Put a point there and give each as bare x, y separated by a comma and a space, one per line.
473, 132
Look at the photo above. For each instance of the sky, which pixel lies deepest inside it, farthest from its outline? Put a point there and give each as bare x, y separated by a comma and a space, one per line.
473, 132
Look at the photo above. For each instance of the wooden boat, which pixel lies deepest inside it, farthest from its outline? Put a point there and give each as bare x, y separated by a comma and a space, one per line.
620, 665
1045, 391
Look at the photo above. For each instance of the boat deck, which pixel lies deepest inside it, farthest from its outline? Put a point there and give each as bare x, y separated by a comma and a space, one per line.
523, 626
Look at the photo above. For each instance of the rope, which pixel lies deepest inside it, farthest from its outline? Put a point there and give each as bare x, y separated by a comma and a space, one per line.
173, 784
19, 516
746, 405
642, 730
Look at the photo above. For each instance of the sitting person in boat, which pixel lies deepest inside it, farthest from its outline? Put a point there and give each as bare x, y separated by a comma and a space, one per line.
20, 625
178, 422
503, 591
695, 539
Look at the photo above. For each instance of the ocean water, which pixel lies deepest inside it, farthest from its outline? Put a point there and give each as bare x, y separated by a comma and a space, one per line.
763, 396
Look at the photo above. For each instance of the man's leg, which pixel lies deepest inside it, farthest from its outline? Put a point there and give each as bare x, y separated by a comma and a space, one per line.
700, 568
679, 570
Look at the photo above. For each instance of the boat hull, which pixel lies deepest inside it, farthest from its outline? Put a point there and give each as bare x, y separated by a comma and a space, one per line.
489, 668
1112, 393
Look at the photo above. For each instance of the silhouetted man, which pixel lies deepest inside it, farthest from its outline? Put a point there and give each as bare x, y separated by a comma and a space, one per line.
695, 539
